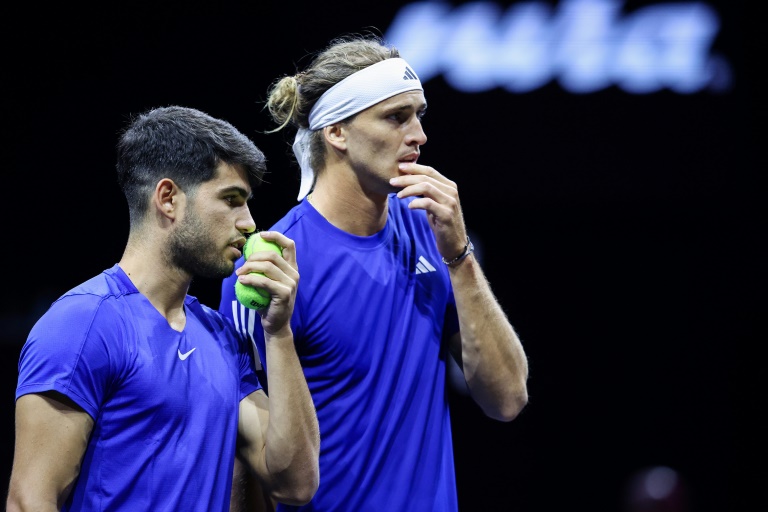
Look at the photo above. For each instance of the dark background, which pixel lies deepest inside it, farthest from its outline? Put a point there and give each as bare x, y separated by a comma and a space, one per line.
621, 233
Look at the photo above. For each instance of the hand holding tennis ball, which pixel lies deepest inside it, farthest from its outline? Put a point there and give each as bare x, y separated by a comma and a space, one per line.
250, 297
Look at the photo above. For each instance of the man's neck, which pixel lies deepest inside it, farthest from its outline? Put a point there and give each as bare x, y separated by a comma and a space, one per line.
164, 287
354, 212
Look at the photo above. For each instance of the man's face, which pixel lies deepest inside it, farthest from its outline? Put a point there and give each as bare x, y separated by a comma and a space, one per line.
207, 240
385, 134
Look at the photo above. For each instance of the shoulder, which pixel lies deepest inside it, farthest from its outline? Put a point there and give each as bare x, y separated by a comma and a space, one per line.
294, 216
86, 299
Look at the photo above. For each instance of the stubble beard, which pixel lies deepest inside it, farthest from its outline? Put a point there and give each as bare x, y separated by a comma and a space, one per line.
193, 250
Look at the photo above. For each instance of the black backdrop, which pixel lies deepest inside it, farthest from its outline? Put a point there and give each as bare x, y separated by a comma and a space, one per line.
620, 232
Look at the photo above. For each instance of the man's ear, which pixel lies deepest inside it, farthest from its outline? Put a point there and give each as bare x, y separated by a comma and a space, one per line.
166, 197
336, 136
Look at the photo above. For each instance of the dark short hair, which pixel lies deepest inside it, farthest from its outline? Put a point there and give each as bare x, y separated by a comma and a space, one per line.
183, 144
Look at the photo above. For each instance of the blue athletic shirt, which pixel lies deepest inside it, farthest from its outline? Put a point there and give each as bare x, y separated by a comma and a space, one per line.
164, 403
371, 321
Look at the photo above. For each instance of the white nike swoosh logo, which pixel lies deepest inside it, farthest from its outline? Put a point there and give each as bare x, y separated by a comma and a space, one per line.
184, 356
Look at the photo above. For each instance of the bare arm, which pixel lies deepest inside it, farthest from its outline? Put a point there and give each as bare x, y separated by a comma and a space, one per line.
279, 436
51, 437
247, 492
488, 349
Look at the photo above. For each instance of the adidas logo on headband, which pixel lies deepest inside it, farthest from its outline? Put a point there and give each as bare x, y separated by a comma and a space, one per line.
409, 75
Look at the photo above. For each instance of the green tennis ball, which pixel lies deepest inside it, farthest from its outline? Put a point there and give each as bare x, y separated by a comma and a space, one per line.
248, 296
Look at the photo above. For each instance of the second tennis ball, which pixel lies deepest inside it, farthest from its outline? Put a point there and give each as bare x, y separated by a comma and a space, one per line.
248, 296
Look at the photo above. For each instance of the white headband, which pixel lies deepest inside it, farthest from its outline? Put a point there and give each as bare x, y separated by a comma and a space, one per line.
354, 94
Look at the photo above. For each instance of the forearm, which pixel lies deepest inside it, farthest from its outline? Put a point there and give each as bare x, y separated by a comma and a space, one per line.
492, 357
293, 440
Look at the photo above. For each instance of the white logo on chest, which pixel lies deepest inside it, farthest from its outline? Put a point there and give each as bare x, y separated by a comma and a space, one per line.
186, 355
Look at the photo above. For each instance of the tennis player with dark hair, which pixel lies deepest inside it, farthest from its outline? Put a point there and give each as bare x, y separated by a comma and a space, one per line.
132, 395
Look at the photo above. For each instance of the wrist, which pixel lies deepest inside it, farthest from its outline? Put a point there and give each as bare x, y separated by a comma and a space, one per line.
469, 248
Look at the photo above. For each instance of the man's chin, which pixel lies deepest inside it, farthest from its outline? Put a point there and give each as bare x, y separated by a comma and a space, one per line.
220, 271
226, 270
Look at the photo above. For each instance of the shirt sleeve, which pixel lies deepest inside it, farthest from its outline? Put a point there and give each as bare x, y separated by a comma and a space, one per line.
69, 350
